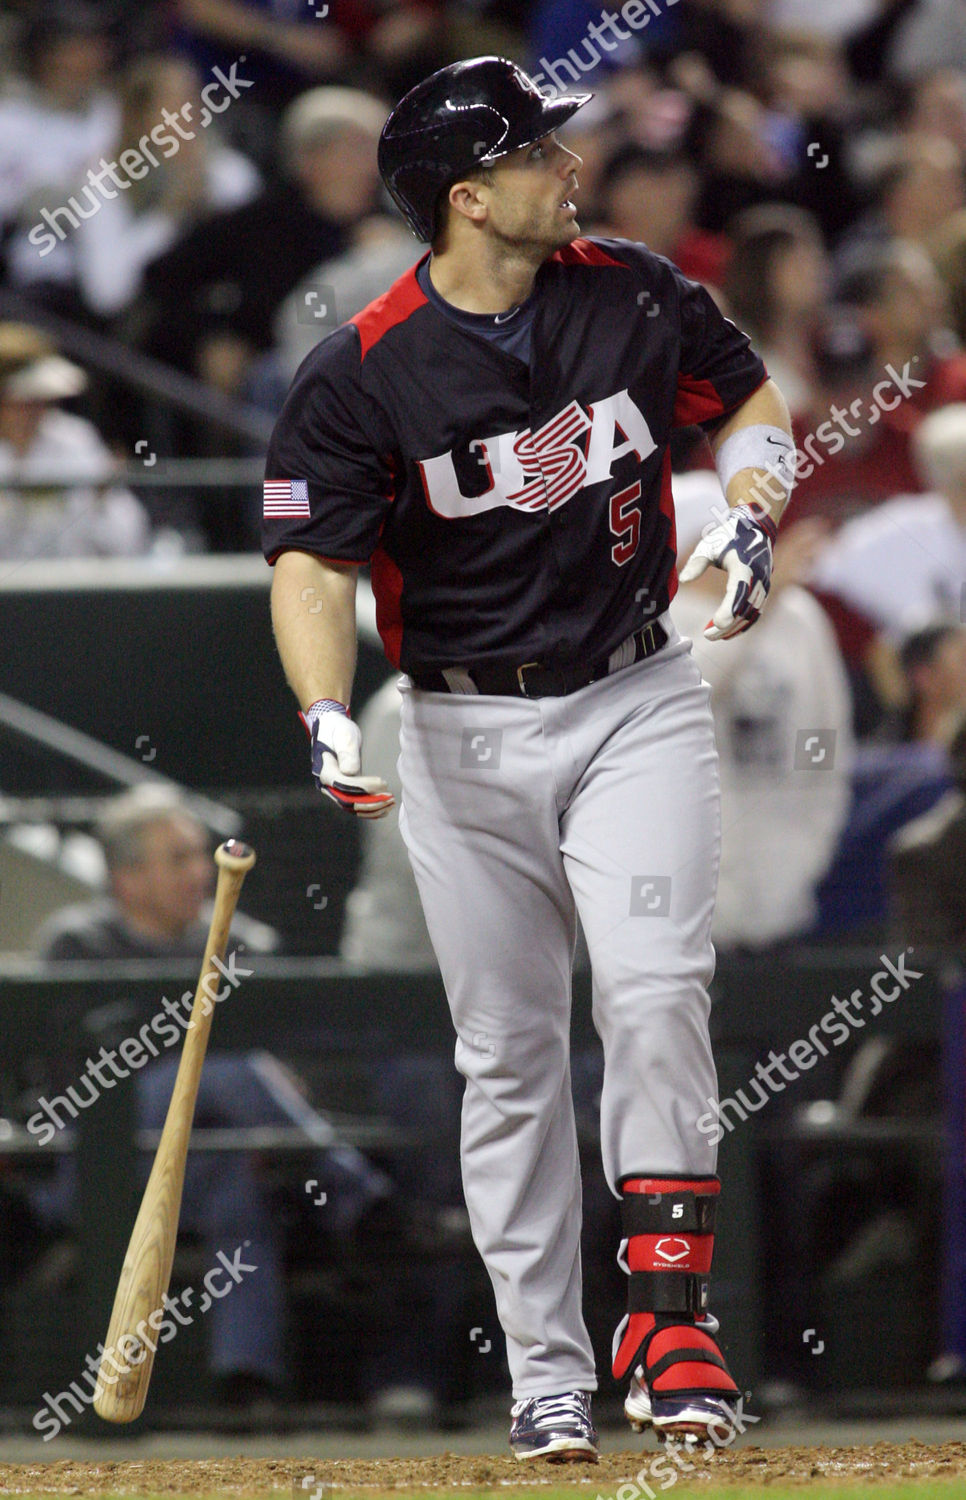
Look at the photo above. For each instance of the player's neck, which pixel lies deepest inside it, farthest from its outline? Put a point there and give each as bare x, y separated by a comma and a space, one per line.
491, 282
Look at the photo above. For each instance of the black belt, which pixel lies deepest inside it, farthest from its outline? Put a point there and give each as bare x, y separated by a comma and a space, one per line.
535, 679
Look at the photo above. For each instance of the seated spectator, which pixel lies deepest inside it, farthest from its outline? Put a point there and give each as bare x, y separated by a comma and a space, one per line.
948, 250
286, 48
159, 869
805, 85
289, 46
775, 289
381, 250
75, 510
905, 561
60, 114
918, 187
176, 178
650, 196
852, 454
926, 860
780, 137
782, 716
900, 300
933, 664
937, 105
930, 36
896, 783
215, 293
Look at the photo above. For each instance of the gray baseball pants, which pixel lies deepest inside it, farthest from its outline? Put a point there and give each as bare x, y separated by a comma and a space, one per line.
516, 813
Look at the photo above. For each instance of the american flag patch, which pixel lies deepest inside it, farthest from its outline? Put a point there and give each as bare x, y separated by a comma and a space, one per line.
286, 498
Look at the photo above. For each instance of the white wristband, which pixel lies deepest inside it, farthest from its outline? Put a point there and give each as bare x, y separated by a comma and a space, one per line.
759, 447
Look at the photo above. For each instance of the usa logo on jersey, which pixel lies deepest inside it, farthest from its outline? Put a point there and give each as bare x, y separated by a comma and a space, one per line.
532, 471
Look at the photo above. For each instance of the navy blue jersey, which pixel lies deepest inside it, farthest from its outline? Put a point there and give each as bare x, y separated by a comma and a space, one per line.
511, 512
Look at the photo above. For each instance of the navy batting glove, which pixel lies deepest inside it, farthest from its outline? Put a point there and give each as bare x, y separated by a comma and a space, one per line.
336, 761
743, 546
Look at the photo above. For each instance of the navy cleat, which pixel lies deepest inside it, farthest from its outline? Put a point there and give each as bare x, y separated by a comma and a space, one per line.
558, 1428
701, 1414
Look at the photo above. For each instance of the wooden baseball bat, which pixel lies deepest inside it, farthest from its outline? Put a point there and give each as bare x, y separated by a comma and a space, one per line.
132, 1337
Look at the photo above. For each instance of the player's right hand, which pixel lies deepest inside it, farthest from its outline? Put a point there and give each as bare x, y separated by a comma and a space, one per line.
741, 545
337, 761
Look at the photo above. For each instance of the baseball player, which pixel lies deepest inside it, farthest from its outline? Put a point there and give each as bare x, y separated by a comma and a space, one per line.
491, 437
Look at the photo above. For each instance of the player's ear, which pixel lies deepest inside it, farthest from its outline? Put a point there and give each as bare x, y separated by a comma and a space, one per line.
465, 199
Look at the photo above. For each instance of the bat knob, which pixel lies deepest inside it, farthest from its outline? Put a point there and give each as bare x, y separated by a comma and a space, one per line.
234, 855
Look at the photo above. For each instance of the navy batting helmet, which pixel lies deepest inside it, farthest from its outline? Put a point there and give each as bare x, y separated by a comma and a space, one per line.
458, 120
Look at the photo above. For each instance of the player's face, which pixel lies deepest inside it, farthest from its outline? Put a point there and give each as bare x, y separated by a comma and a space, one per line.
530, 197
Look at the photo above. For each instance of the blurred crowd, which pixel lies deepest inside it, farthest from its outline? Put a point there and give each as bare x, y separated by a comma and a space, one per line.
196, 182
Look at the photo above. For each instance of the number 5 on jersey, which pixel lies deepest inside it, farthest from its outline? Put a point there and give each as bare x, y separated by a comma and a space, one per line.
625, 522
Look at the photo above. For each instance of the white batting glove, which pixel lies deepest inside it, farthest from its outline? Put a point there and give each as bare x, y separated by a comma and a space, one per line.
742, 546
337, 761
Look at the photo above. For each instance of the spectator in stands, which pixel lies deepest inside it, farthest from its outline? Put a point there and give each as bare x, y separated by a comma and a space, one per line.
938, 106
286, 47
216, 291
650, 196
782, 715
901, 301
895, 784
741, 166
915, 193
780, 137
75, 510
933, 664
927, 856
397, 41
948, 249
159, 868
852, 452
905, 561
60, 114
775, 289
805, 85
102, 260
931, 35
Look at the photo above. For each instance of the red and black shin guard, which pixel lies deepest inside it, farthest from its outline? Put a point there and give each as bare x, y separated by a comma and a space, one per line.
668, 1244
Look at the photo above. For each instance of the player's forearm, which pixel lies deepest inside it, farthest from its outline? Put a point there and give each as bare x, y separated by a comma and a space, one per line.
314, 619
765, 408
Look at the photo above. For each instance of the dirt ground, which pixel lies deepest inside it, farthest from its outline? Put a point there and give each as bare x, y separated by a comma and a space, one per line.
747, 1465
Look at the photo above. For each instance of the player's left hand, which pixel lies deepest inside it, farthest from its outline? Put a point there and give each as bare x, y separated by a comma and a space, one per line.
742, 546
337, 763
